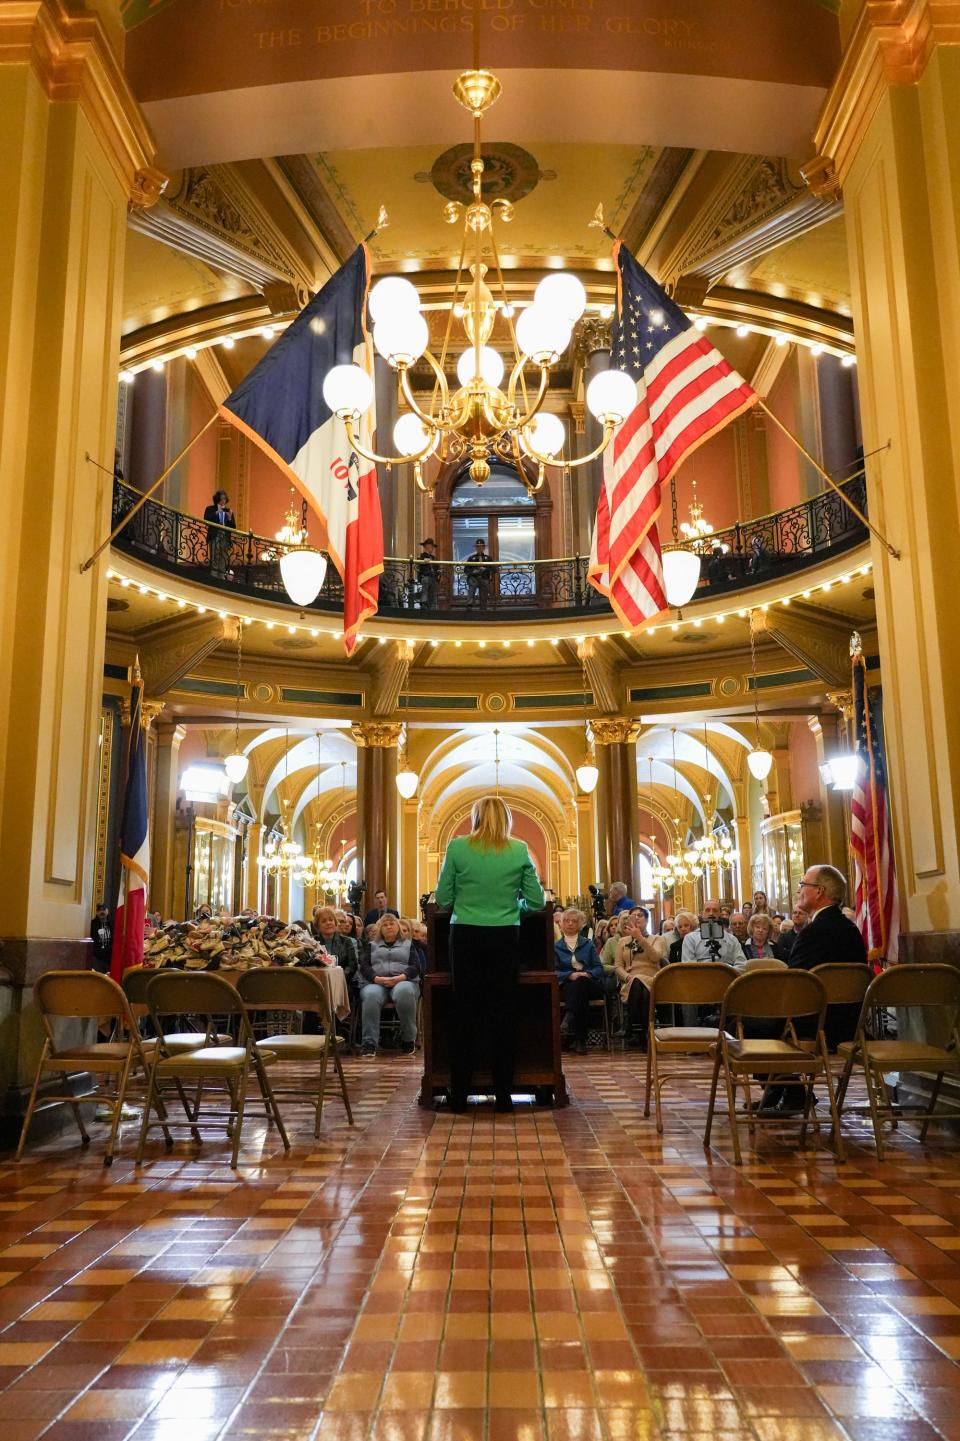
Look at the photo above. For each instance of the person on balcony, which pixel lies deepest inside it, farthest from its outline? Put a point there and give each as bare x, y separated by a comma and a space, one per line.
220, 518
428, 574
478, 580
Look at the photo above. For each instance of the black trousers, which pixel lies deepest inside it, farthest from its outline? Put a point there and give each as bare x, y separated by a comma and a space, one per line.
484, 963
576, 997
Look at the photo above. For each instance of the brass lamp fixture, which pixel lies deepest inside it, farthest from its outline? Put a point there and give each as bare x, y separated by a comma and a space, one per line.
282, 855
698, 530
482, 419
759, 761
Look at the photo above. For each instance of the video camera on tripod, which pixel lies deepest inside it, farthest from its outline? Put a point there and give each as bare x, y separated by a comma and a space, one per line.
712, 932
598, 902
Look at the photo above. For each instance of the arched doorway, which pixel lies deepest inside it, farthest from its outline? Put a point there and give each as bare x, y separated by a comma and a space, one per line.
513, 524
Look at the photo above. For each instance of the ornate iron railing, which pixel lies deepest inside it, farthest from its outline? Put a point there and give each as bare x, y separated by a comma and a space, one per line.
242, 563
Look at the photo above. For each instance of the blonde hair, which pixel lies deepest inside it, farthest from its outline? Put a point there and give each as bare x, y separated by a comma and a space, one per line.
375, 931
490, 823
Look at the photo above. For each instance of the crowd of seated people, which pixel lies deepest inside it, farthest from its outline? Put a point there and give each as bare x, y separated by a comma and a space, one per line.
617, 959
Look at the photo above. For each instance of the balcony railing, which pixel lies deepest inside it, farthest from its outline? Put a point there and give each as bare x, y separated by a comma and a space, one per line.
242, 563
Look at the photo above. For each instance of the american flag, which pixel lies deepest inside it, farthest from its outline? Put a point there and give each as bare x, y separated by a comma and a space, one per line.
686, 391
878, 912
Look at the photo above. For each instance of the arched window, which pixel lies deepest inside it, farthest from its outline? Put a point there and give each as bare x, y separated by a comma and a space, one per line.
501, 513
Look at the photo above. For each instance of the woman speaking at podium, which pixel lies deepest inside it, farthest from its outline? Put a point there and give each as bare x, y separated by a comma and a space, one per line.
485, 879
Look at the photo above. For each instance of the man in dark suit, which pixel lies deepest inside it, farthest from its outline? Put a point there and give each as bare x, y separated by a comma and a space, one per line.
827, 936
378, 909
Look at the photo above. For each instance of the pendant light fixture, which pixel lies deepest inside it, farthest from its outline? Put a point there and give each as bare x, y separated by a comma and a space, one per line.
681, 568
587, 772
406, 778
236, 764
759, 760
302, 568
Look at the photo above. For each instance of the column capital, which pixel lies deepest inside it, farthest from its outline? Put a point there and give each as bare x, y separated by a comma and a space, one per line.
593, 332
843, 700
890, 44
149, 711
72, 57
380, 734
170, 733
614, 730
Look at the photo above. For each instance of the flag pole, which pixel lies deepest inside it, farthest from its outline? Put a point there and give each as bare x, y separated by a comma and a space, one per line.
146, 494
877, 534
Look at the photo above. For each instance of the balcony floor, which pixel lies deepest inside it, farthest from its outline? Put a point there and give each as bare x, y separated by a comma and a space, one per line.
542, 1277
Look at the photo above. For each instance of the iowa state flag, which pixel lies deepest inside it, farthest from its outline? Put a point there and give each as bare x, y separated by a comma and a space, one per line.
134, 847
280, 406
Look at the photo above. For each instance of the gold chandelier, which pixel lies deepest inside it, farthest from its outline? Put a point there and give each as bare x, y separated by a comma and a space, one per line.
698, 530
282, 855
481, 420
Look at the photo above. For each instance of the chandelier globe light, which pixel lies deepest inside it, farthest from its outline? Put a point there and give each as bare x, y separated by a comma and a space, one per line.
303, 572
489, 414
681, 566
587, 774
236, 764
759, 760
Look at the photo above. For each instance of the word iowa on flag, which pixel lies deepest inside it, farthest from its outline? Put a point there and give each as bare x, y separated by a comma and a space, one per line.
686, 392
280, 406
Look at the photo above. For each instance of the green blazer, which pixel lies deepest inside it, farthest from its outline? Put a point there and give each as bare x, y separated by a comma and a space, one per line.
481, 886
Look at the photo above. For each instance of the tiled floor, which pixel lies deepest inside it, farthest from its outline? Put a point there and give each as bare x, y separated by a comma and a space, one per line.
543, 1277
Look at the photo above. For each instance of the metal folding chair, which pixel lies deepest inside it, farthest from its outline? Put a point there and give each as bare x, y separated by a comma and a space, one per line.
78, 996
928, 987
694, 983
285, 989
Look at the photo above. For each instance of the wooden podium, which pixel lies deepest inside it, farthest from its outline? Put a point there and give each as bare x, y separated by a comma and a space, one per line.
539, 1068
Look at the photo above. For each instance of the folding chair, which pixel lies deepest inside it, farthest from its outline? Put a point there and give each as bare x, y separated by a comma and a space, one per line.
778, 996
696, 983
205, 994
846, 985
286, 988
930, 987
764, 963
83, 995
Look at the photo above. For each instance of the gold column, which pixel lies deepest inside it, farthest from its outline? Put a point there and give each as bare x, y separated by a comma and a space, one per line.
618, 820
169, 738
410, 888
75, 153
378, 805
741, 832
586, 843
251, 879
826, 733
890, 127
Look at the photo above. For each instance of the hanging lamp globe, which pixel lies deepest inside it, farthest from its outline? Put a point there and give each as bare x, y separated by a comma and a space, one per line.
407, 782
236, 767
759, 763
587, 777
681, 576
303, 570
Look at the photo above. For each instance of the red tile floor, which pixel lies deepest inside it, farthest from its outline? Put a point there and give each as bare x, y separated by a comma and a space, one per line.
547, 1276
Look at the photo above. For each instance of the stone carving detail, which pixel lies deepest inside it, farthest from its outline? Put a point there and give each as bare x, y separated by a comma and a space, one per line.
821, 178
601, 675
758, 189
593, 332
376, 733
148, 185
203, 195
174, 654
391, 676
614, 730
821, 647
211, 199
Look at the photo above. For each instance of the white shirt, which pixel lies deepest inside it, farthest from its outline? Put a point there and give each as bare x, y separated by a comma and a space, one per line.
696, 949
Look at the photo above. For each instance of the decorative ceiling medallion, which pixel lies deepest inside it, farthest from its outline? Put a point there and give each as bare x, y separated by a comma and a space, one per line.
295, 642
494, 702
264, 692
509, 173
730, 685
115, 603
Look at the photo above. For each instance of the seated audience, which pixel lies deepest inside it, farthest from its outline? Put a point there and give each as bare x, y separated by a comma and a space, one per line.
390, 970
685, 922
579, 973
639, 957
760, 901
618, 900
738, 926
727, 949
760, 947
791, 930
